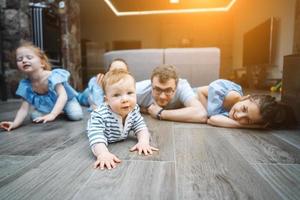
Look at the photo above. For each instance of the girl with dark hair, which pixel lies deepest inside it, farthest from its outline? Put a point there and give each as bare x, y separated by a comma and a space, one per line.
227, 107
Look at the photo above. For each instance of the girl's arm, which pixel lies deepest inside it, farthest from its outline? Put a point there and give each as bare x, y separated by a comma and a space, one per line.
21, 114
61, 99
96, 95
202, 93
58, 107
223, 121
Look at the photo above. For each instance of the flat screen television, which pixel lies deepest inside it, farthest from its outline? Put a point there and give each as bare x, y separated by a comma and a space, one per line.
259, 44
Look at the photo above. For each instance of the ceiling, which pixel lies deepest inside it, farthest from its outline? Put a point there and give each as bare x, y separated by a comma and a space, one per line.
148, 5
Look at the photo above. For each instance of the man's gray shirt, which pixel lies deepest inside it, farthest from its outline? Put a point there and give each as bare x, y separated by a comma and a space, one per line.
183, 93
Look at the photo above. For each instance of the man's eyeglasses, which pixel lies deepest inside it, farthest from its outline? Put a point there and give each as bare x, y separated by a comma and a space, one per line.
158, 91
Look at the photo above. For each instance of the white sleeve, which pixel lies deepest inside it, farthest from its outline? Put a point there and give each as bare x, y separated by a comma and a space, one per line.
184, 91
143, 93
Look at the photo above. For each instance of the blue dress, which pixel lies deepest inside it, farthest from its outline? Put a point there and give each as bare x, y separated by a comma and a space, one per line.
93, 92
217, 91
45, 102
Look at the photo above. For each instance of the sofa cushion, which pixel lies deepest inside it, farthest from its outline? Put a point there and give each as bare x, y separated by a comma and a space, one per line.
199, 65
141, 61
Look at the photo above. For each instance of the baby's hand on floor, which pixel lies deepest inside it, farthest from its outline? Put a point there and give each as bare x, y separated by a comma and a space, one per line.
144, 147
106, 159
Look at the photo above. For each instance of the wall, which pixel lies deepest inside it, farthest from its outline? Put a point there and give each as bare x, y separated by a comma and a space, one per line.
71, 49
224, 30
297, 28
100, 25
248, 14
15, 26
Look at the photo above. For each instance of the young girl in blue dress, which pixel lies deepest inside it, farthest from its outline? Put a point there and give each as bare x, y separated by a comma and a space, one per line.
227, 107
47, 91
93, 95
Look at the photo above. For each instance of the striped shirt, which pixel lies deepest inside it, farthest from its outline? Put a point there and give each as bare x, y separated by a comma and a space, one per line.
105, 126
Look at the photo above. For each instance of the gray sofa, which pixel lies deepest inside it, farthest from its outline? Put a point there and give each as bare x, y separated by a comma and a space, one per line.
199, 65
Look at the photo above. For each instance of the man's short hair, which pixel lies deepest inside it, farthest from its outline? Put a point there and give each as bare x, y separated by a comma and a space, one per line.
165, 73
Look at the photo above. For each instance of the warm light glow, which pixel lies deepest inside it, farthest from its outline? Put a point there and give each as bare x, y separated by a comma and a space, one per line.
152, 12
174, 1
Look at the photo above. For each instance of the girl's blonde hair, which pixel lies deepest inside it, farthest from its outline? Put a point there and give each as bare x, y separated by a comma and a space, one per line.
38, 52
115, 76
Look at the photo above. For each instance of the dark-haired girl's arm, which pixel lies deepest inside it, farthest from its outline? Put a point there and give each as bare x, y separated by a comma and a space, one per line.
202, 94
223, 121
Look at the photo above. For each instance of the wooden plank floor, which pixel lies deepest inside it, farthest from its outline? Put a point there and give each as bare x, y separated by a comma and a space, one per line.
195, 161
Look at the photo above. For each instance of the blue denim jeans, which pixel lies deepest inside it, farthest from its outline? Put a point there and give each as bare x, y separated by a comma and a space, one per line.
72, 110
83, 97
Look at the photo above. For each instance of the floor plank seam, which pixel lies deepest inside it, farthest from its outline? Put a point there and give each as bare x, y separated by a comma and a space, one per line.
193, 126
284, 191
286, 141
23, 170
175, 160
150, 161
83, 186
236, 148
281, 164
